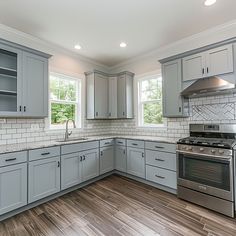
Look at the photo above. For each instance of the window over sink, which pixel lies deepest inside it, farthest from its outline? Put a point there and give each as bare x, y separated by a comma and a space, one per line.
65, 100
150, 101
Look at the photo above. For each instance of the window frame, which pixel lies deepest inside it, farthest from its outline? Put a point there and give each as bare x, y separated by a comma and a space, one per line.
77, 103
141, 103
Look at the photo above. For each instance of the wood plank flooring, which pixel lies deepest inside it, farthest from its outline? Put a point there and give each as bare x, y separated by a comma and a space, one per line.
118, 206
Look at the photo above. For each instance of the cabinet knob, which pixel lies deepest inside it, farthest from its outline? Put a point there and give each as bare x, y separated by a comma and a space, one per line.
20, 108
58, 164
101, 153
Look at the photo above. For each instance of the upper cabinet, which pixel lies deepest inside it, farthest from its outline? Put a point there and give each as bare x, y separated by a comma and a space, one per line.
173, 102
212, 62
109, 96
23, 81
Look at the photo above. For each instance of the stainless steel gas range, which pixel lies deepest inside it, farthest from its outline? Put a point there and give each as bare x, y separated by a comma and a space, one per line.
206, 167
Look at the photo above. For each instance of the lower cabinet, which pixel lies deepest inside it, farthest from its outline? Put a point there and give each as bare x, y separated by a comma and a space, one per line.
136, 162
89, 164
106, 159
70, 170
13, 187
120, 158
44, 178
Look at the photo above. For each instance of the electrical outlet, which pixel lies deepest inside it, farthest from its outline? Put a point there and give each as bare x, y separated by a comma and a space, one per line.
3, 121
35, 127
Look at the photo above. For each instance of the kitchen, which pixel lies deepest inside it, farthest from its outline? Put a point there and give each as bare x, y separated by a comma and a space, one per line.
105, 131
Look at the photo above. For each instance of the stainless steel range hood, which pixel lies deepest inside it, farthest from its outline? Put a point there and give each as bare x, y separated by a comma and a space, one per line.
209, 87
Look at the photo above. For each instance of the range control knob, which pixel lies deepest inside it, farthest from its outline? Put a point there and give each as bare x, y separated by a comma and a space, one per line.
221, 151
213, 151
201, 149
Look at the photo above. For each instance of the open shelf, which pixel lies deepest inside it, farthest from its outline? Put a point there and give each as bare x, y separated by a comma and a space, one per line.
8, 92
8, 72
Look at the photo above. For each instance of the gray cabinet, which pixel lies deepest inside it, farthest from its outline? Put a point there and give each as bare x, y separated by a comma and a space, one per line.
89, 164
44, 178
125, 95
70, 170
35, 85
173, 102
120, 158
109, 96
216, 61
23, 81
13, 187
106, 159
136, 162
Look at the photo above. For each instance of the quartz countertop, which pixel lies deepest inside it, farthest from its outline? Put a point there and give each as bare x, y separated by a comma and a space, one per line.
43, 144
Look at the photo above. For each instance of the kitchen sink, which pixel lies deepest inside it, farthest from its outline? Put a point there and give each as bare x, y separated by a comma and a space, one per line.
71, 140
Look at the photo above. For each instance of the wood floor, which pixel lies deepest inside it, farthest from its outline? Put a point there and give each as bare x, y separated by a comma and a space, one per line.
118, 206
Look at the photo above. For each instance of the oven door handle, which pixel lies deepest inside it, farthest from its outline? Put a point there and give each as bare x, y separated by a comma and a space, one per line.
228, 158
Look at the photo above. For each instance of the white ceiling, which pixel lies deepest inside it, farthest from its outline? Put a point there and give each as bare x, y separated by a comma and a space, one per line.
100, 25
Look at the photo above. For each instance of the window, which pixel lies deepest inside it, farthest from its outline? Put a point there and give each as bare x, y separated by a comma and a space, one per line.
64, 100
150, 101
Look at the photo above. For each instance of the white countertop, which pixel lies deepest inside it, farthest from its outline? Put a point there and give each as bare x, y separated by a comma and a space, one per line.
34, 145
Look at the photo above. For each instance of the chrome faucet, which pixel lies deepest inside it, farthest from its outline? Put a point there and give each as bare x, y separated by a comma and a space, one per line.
67, 133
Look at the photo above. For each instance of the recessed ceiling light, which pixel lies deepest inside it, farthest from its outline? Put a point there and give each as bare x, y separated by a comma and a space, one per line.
77, 46
123, 45
209, 2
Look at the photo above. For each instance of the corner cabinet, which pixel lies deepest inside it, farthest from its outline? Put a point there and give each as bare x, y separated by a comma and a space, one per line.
173, 102
109, 96
23, 81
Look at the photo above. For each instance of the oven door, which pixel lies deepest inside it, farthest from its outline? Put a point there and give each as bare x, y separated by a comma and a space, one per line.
206, 174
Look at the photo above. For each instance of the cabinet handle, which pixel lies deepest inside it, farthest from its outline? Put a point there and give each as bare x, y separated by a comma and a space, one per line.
160, 177
45, 153
158, 159
83, 157
207, 70
96, 113
124, 151
20, 108
107, 143
159, 147
101, 153
24, 108
11, 159
134, 144
123, 113
203, 71
142, 154
180, 109
120, 142
109, 113
58, 164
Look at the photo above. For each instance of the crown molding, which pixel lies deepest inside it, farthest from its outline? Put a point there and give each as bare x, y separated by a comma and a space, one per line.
213, 35
22, 38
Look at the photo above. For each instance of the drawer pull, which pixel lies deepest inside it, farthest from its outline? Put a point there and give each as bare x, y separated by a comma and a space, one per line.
120, 142
45, 153
11, 159
107, 143
159, 147
160, 177
135, 144
158, 159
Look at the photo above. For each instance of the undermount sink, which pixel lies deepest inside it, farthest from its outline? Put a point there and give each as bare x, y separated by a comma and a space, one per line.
72, 140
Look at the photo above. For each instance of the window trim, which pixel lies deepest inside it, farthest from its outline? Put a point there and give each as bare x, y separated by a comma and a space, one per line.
78, 103
140, 104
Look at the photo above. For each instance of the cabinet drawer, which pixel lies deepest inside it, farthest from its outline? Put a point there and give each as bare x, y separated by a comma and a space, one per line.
135, 143
42, 153
161, 159
164, 177
106, 142
78, 147
120, 141
13, 158
163, 147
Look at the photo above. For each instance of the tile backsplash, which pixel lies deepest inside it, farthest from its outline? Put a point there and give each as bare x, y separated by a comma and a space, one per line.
217, 109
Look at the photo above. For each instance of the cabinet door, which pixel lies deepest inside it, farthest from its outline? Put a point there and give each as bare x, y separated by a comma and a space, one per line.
220, 60
35, 85
90, 164
120, 158
106, 159
10, 81
136, 162
112, 97
194, 67
70, 170
101, 96
44, 178
121, 97
13, 187
172, 85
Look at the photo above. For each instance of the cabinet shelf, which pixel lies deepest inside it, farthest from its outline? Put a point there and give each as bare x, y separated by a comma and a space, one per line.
8, 92
8, 72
